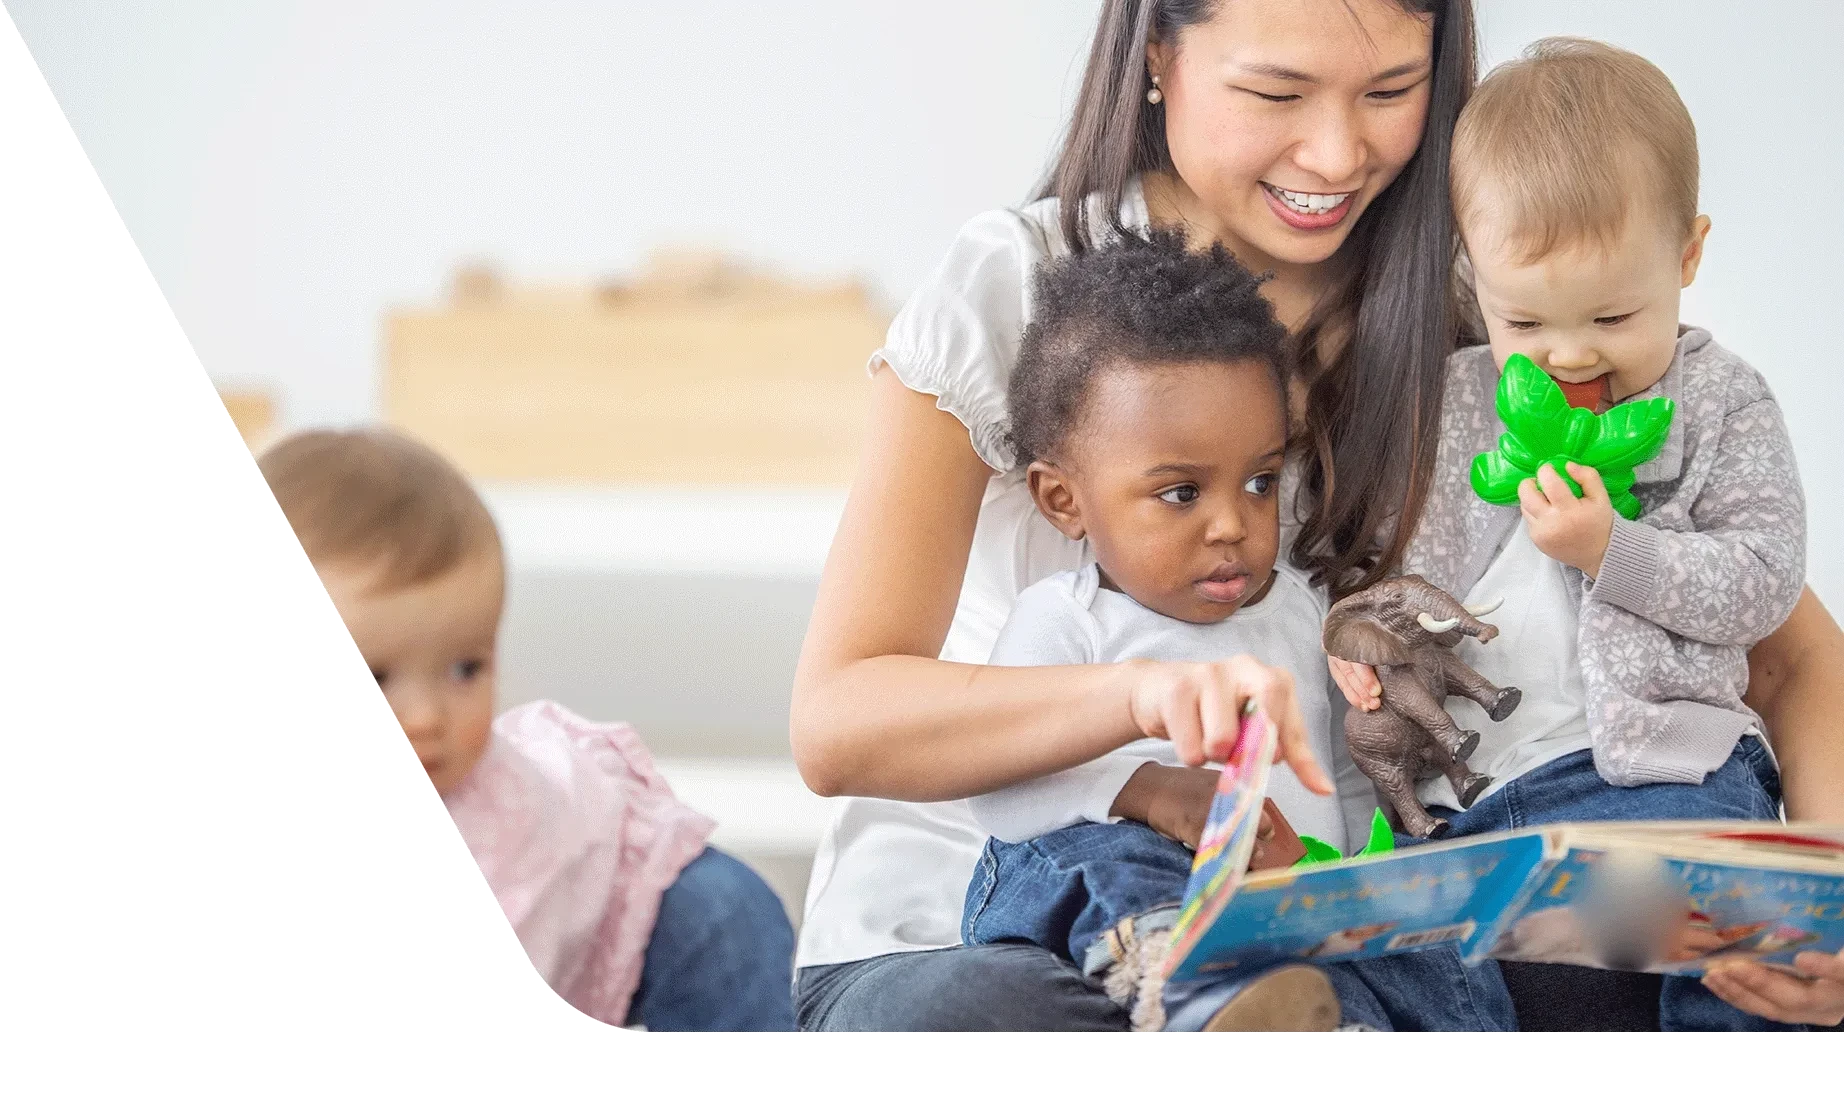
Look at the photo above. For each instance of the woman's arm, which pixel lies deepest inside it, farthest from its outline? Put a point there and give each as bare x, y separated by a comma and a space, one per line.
875, 713
1795, 677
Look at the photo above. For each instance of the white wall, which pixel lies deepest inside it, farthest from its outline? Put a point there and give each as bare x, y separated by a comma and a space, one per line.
292, 167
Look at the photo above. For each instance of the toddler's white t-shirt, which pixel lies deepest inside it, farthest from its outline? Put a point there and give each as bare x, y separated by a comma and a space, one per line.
1069, 618
1536, 651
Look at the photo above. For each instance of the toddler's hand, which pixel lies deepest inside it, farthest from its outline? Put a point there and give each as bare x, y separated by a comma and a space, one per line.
1176, 803
1198, 708
1358, 682
1276, 844
1173, 801
1572, 530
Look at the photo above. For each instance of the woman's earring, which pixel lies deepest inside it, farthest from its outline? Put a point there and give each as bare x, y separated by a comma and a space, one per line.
1153, 95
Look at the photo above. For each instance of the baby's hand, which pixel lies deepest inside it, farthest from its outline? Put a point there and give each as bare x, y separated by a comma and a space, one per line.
1692, 940
1572, 530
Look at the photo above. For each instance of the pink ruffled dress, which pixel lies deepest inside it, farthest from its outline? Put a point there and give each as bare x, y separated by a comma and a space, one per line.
578, 836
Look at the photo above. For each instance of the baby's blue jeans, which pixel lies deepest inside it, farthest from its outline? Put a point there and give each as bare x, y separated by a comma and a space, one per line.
721, 957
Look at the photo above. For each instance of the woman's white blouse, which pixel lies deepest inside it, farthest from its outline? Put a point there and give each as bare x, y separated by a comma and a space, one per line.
892, 876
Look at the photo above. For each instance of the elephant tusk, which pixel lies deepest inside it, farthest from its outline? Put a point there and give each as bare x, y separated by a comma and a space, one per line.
1428, 623
1482, 611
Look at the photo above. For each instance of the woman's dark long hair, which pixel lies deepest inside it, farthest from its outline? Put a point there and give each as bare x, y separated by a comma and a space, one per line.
1373, 352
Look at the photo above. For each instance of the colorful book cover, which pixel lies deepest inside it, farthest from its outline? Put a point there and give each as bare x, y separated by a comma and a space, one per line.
1361, 907
1228, 840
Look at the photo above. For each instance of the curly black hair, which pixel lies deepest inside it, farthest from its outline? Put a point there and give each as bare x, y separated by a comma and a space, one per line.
1137, 299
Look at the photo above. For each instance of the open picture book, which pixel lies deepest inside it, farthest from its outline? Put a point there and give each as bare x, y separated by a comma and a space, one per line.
1662, 897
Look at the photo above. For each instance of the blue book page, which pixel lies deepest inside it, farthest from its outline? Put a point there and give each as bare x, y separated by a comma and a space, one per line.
1719, 910
1364, 907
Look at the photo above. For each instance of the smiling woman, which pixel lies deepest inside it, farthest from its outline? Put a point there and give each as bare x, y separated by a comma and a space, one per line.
1192, 116
1310, 142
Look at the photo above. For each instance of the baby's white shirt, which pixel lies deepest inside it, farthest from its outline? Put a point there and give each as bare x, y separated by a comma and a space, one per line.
1537, 651
1069, 618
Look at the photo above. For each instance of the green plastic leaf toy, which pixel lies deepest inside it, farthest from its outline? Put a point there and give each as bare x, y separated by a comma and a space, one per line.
1541, 427
1382, 840
1317, 852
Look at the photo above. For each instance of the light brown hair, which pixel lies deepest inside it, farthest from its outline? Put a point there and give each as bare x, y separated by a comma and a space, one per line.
1566, 137
375, 498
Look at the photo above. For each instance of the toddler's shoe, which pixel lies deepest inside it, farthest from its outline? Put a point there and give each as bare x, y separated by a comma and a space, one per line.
1291, 998
1130, 961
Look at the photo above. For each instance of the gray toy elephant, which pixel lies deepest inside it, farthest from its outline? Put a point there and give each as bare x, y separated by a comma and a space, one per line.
1406, 628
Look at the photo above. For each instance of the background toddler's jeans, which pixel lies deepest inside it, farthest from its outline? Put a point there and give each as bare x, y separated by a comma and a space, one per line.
721, 956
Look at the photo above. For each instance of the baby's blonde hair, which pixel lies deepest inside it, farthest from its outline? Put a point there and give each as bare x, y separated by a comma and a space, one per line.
373, 498
1566, 137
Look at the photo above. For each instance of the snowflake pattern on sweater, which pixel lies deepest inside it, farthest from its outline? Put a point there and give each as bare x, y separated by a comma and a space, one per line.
1714, 564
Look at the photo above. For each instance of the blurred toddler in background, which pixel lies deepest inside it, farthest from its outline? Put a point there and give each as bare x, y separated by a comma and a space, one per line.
606, 877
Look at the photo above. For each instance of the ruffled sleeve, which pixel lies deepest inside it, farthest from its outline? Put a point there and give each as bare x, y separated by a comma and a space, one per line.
957, 337
579, 837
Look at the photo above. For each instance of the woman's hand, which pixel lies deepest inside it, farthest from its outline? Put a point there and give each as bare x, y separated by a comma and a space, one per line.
1358, 682
1198, 708
1772, 993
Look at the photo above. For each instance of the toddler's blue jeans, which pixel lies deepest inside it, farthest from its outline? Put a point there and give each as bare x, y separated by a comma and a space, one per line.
1062, 891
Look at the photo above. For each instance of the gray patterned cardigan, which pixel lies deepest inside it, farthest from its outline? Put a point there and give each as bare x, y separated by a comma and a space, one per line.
1713, 565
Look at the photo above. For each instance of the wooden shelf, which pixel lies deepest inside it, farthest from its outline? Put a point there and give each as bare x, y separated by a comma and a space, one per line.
253, 413
695, 374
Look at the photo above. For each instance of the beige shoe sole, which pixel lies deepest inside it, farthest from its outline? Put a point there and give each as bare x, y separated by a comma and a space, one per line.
1293, 998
